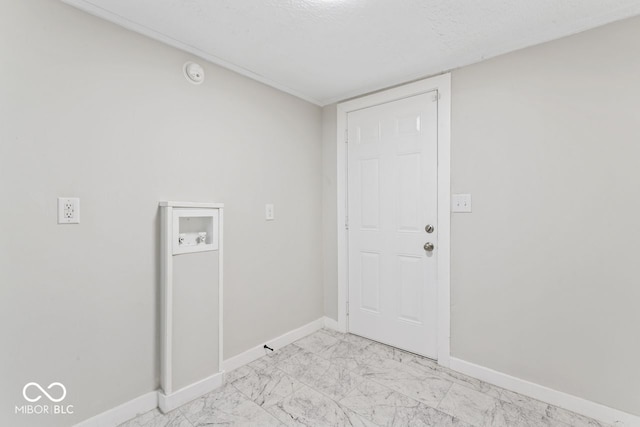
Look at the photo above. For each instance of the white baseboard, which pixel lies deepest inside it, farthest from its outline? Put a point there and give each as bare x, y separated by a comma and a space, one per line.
124, 412
275, 343
329, 323
169, 402
564, 400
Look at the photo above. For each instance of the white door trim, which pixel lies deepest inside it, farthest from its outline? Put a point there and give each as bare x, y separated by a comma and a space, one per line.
442, 84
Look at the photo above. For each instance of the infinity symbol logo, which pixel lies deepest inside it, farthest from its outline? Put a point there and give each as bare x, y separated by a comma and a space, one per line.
43, 391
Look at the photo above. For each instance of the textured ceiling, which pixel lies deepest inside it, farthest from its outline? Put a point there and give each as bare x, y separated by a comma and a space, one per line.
329, 50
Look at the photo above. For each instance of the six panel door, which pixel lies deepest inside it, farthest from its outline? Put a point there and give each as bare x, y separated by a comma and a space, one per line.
392, 197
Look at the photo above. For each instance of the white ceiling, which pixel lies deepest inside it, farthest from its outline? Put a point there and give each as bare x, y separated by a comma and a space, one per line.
329, 50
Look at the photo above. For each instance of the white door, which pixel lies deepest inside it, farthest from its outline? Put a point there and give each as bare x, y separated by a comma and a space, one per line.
392, 198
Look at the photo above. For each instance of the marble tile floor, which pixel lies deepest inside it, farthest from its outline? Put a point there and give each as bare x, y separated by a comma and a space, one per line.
334, 379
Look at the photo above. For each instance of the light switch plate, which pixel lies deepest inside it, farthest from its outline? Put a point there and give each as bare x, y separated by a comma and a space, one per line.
68, 210
269, 213
461, 203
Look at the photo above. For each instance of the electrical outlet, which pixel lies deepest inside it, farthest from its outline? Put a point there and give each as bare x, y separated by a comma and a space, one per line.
68, 210
269, 213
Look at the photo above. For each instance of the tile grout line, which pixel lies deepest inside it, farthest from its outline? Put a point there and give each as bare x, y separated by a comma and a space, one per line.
444, 396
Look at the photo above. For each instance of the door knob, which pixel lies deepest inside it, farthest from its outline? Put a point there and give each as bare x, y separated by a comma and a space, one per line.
428, 246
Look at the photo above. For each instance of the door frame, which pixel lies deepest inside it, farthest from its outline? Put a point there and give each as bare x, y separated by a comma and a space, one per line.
442, 84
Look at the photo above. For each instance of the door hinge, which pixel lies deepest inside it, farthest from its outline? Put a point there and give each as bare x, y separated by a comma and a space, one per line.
346, 136
436, 96
346, 223
347, 308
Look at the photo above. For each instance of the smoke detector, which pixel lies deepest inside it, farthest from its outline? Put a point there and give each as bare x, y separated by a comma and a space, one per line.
194, 73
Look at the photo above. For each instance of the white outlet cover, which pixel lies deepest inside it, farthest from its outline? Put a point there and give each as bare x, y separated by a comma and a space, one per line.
461, 203
68, 210
269, 213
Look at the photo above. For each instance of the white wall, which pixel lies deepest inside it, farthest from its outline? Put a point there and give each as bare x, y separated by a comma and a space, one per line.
88, 109
545, 280
544, 273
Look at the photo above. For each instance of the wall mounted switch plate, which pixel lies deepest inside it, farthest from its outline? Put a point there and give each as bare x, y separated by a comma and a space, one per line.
461, 203
68, 210
269, 213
